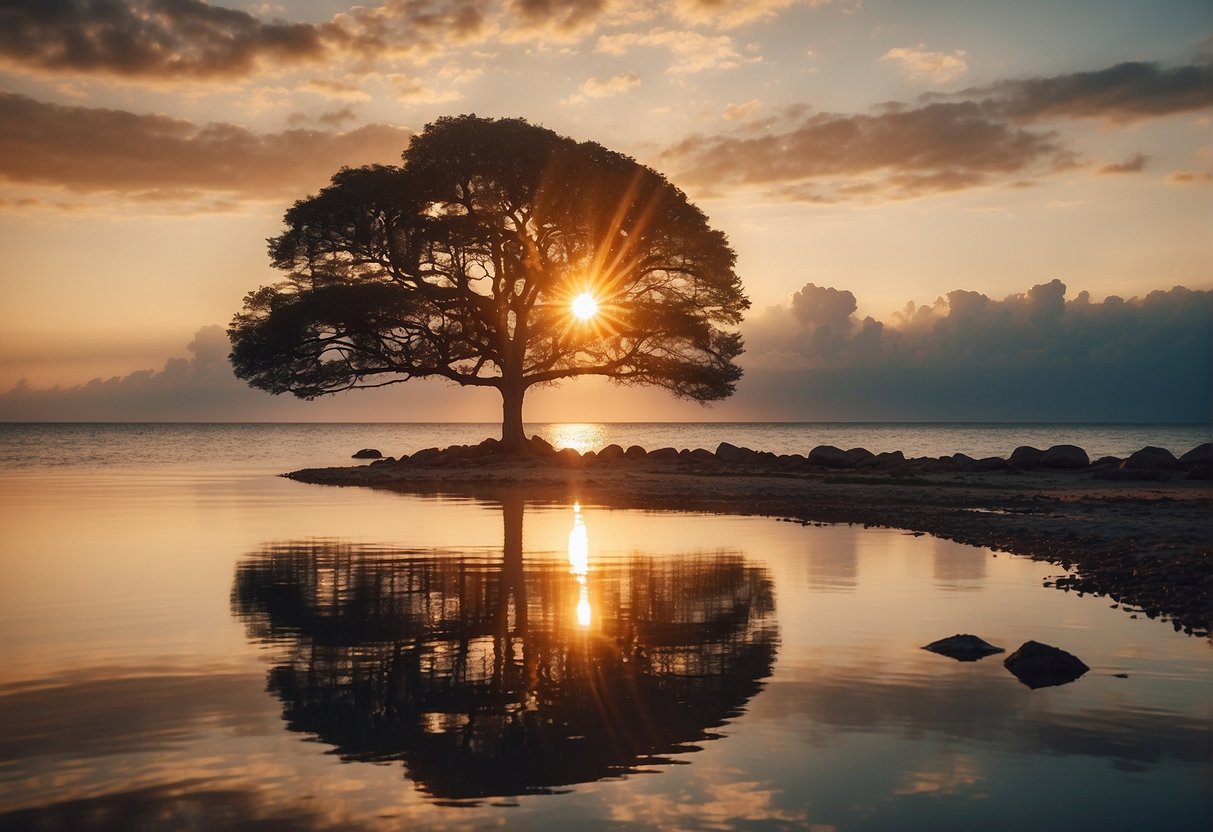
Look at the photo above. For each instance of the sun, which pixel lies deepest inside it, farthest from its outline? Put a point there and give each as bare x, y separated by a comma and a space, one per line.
584, 306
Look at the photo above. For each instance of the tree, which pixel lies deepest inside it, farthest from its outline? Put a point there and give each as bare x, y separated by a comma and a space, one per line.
464, 263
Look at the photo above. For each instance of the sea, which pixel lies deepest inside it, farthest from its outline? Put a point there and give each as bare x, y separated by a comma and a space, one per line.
190, 641
266, 446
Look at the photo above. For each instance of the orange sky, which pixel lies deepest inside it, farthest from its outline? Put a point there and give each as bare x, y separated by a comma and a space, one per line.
896, 151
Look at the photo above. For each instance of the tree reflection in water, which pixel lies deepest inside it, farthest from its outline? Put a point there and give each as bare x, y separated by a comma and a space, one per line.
487, 678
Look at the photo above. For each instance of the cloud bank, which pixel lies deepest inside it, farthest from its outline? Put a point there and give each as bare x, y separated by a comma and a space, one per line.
1034, 356
91, 150
981, 136
201, 388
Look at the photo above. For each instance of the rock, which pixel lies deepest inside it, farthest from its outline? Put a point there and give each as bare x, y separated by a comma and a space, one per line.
568, 457
541, 446
425, 456
890, 459
1201, 453
367, 453
703, 455
962, 461
860, 456
1158, 459
1107, 462
1064, 456
1042, 665
663, 453
1200, 471
611, 453
963, 647
635, 452
727, 452
827, 456
1025, 456
989, 463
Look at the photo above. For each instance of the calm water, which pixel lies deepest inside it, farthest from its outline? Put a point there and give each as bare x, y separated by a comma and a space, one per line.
199, 647
276, 447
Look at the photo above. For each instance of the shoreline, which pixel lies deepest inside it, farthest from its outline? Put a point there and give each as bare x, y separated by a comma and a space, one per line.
1141, 538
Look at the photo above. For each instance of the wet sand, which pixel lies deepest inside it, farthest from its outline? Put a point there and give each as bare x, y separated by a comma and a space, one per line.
1145, 544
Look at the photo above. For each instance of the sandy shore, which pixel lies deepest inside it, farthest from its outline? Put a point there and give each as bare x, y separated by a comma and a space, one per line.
1144, 544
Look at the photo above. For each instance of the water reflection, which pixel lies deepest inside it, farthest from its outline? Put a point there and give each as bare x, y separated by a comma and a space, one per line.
485, 676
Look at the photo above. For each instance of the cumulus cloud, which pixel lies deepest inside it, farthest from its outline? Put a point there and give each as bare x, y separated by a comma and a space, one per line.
1035, 355
730, 14
604, 87
162, 40
88, 150
560, 18
692, 52
982, 136
740, 112
920, 65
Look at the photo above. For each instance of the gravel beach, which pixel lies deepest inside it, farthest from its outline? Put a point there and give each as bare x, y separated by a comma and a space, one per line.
1139, 536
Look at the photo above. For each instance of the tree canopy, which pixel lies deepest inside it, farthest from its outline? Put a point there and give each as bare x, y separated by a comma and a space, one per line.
465, 261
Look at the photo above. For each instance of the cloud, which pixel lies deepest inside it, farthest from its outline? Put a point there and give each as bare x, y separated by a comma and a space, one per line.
604, 87
559, 18
730, 14
169, 40
693, 52
921, 65
87, 150
740, 112
1126, 92
1134, 164
201, 387
983, 136
1190, 177
894, 154
1029, 356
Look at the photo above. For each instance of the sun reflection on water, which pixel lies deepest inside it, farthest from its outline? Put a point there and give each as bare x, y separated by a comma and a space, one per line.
579, 565
580, 437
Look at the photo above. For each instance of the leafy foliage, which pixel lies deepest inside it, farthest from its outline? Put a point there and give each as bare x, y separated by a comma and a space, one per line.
463, 262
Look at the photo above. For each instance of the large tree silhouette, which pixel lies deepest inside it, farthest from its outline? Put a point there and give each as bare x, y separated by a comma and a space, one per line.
463, 263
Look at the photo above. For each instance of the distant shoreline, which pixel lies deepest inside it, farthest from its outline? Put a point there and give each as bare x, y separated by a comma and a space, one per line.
1140, 537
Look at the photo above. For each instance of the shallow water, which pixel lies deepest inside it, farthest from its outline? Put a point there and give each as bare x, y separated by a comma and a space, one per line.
187, 648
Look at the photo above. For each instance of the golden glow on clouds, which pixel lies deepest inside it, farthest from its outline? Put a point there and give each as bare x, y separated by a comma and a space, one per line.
215, 119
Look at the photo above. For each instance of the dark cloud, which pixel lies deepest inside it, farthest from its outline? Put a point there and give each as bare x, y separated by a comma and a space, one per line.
154, 40
161, 158
897, 153
1030, 356
984, 135
1125, 92
1134, 164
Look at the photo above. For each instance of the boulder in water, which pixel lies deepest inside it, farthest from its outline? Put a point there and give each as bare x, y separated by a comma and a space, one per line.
367, 453
1042, 665
963, 647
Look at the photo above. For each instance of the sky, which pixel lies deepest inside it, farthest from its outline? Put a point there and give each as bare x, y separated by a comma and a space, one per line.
942, 210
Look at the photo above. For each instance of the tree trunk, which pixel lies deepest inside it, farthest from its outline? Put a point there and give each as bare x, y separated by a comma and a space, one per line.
513, 439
